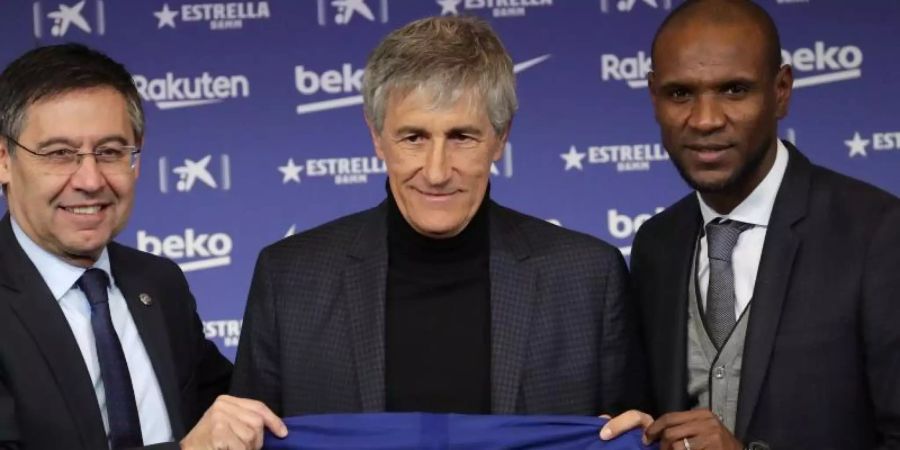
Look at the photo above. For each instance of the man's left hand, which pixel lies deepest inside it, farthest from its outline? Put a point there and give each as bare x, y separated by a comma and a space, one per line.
700, 427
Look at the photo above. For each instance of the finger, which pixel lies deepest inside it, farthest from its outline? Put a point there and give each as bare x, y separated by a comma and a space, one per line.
252, 422
680, 444
241, 419
624, 422
246, 435
698, 432
675, 419
223, 438
270, 420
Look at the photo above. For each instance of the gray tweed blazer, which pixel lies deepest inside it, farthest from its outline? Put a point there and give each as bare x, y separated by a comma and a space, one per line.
562, 334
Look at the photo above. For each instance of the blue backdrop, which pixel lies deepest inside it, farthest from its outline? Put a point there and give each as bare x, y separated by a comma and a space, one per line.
256, 131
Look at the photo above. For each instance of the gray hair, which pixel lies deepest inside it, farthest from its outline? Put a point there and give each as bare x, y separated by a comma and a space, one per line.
446, 57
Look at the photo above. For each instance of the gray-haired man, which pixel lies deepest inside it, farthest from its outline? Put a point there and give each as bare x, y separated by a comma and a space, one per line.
438, 299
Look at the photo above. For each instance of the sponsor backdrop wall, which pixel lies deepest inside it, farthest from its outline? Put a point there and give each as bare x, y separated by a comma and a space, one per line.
256, 131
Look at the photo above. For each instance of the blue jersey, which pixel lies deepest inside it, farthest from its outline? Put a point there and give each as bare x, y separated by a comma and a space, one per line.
418, 431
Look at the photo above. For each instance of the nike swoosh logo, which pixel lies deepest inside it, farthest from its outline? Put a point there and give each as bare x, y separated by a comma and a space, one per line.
353, 100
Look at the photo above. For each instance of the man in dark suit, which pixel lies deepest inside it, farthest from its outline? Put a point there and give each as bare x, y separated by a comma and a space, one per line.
769, 298
100, 344
438, 299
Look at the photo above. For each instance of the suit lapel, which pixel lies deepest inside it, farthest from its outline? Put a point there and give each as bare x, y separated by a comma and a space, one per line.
772, 282
40, 313
364, 285
152, 328
513, 293
670, 316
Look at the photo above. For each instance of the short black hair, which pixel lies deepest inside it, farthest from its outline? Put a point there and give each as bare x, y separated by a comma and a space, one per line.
48, 71
727, 12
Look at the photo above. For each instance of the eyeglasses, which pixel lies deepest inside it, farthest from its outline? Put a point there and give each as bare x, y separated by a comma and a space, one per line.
112, 158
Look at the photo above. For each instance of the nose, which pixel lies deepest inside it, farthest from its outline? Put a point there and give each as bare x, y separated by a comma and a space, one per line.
437, 169
88, 177
707, 114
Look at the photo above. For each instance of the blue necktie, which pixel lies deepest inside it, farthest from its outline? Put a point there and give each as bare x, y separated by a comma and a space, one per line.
124, 424
722, 236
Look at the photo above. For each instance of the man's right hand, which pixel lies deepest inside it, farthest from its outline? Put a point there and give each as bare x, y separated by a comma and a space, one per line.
233, 423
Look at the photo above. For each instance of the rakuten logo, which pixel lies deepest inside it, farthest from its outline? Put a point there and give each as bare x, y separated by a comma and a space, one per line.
632, 69
204, 251
171, 92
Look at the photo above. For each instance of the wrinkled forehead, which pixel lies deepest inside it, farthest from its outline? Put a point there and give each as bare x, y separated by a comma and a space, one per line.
78, 113
437, 95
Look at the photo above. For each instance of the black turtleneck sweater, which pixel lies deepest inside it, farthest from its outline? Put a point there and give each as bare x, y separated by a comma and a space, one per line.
438, 318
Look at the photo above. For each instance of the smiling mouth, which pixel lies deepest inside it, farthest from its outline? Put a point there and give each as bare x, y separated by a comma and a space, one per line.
84, 210
436, 194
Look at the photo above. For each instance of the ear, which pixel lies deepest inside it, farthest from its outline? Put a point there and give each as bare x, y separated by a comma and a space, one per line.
137, 164
376, 139
503, 139
784, 82
651, 87
5, 169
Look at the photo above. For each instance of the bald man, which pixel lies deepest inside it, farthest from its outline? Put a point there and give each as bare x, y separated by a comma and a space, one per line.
770, 296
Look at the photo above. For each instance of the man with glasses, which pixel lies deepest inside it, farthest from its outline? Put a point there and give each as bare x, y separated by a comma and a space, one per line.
100, 345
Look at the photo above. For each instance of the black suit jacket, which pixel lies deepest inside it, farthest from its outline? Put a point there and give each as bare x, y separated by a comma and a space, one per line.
821, 365
313, 333
47, 400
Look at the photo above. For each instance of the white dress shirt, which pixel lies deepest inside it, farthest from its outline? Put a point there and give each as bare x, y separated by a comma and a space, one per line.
755, 210
61, 278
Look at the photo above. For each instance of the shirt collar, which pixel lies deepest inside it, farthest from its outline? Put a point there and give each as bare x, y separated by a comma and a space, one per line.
59, 275
757, 207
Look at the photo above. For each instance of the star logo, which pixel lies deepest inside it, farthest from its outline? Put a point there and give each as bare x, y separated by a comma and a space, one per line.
857, 145
573, 159
449, 7
166, 17
290, 172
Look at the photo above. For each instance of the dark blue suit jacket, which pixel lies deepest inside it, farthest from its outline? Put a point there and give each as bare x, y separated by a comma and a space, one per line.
47, 400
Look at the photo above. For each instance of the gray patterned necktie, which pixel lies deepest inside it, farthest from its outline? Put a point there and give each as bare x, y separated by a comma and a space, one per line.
721, 237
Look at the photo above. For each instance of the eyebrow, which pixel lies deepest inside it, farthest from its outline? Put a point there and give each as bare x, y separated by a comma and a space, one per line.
410, 130
690, 82
466, 129
63, 140
455, 131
